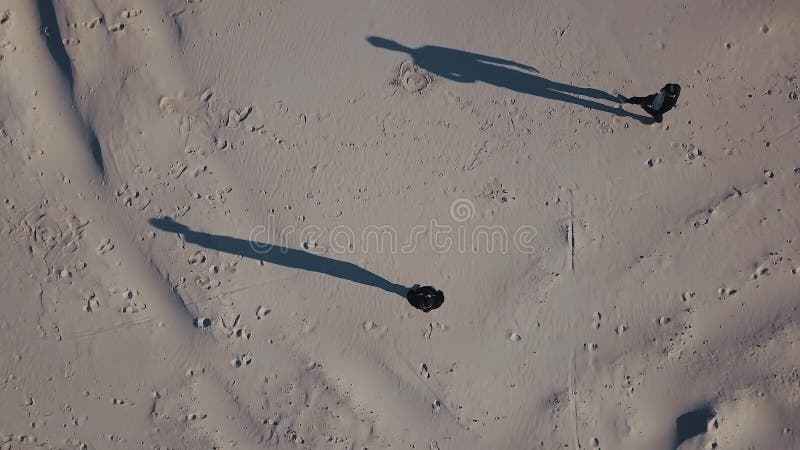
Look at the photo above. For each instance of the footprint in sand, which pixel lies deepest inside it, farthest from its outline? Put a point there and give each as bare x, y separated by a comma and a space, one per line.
120, 402
207, 283
596, 316
373, 329
235, 117
94, 22
725, 292
760, 272
206, 95
262, 312
132, 198
423, 371
133, 308
176, 170
692, 152
192, 372
236, 328
181, 211
243, 360
197, 257
130, 13
428, 332
199, 170
105, 246
701, 218
220, 144
92, 304
195, 416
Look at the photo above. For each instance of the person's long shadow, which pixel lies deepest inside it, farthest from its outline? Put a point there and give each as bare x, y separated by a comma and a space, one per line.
466, 67
276, 254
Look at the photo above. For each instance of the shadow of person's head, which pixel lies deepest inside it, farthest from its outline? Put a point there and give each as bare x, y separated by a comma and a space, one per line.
388, 44
169, 225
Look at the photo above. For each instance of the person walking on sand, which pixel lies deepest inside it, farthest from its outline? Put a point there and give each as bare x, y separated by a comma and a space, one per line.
657, 104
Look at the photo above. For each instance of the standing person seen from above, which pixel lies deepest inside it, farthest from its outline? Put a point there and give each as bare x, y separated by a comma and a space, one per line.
425, 298
657, 104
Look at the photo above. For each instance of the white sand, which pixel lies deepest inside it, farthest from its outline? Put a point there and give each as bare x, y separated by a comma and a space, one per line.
663, 277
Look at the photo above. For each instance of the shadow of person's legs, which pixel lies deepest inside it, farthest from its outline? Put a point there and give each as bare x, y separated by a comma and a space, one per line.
582, 91
538, 86
541, 87
566, 98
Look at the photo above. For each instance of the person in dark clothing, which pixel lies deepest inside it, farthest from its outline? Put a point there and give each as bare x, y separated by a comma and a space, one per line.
425, 298
657, 104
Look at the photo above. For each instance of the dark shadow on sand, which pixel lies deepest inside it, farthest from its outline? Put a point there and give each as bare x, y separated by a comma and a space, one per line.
282, 256
691, 424
52, 37
466, 67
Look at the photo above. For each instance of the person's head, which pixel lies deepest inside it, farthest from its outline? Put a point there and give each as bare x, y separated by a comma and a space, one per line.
672, 89
388, 44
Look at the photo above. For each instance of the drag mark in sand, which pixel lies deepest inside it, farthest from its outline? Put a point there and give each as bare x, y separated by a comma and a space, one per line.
571, 234
574, 400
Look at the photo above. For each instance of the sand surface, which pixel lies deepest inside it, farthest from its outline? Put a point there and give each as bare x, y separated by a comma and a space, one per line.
211, 211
